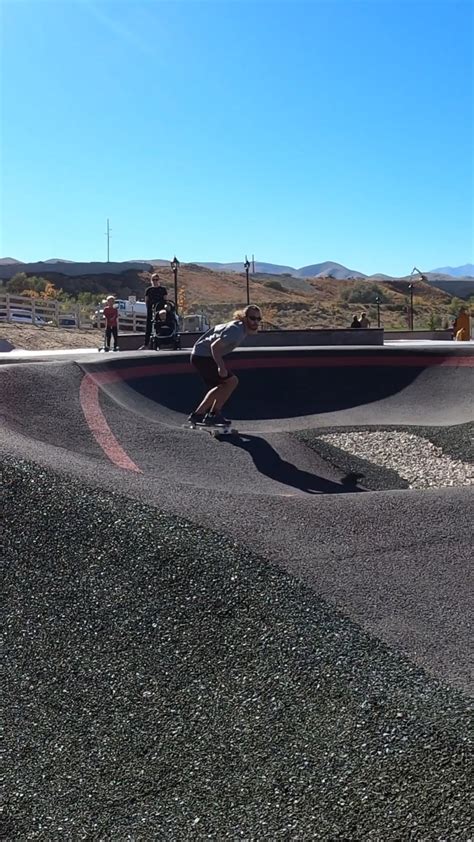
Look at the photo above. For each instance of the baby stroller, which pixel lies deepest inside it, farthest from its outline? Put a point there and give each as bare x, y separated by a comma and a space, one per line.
165, 327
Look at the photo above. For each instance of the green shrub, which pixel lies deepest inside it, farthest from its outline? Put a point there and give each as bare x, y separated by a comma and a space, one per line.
364, 293
275, 285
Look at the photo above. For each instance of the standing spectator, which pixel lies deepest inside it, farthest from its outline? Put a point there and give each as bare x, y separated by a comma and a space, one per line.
363, 321
355, 322
462, 326
111, 323
154, 295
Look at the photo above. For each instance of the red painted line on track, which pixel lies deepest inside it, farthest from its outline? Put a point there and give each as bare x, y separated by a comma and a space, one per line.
95, 419
92, 381
412, 361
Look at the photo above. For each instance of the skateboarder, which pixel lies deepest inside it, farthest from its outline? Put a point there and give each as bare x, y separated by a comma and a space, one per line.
111, 323
207, 357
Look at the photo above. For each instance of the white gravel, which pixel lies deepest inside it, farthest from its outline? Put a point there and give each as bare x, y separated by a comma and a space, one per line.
416, 459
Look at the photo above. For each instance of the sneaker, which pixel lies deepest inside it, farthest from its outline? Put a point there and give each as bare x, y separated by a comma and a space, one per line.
208, 420
116, 348
217, 420
195, 418
106, 348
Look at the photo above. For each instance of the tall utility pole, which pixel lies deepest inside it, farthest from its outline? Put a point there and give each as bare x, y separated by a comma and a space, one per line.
107, 234
253, 264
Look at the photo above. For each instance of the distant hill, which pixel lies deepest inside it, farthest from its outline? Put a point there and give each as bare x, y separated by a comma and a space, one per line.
458, 287
451, 279
455, 271
58, 260
322, 270
260, 268
287, 301
329, 270
70, 268
287, 281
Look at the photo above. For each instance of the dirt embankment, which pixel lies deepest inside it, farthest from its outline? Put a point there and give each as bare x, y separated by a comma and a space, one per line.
32, 338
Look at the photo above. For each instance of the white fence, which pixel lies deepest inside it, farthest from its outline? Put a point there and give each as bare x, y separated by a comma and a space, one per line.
20, 309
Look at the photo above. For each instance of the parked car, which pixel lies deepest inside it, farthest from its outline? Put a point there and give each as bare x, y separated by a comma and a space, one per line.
194, 323
67, 321
23, 317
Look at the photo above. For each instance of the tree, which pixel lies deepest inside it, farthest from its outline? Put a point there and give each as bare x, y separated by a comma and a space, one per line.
434, 322
29, 293
182, 301
21, 282
88, 298
456, 305
275, 285
364, 293
18, 283
50, 291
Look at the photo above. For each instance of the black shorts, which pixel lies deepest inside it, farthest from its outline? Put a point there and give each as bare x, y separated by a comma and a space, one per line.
207, 368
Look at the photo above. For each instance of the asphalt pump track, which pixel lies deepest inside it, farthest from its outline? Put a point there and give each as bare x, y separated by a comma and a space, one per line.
119, 422
397, 564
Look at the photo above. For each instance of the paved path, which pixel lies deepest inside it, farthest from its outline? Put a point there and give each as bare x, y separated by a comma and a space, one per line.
396, 562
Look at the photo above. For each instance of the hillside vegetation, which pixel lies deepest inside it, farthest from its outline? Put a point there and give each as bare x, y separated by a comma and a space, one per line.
314, 303
287, 302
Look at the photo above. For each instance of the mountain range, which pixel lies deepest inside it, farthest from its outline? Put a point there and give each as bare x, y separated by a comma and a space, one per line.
9, 266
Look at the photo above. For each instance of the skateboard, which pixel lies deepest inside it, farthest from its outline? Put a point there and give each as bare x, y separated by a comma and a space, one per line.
216, 430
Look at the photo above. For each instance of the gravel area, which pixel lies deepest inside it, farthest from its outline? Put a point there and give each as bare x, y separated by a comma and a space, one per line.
164, 683
415, 459
388, 458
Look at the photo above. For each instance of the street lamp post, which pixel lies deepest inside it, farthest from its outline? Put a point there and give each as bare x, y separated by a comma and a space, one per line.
377, 301
410, 287
175, 266
247, 267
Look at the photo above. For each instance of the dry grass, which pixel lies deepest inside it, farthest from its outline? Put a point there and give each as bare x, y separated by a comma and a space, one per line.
32, 338
218, 294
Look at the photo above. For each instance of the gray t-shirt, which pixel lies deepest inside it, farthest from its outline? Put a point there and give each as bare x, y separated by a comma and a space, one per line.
231, 334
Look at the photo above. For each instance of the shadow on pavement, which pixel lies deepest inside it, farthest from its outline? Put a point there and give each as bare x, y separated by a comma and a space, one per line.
269, 462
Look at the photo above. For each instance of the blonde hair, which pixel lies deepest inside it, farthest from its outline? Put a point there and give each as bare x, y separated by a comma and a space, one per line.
240, 314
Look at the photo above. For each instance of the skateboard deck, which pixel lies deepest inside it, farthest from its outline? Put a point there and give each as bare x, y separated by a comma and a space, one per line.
217, 430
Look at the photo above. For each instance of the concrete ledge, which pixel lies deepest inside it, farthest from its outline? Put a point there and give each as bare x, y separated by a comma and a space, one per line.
441, 335
278, 338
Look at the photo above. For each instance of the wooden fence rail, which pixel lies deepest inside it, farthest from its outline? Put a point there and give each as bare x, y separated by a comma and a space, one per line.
21, 309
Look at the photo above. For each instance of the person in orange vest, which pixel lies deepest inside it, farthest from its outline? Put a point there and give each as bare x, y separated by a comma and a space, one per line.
461, 326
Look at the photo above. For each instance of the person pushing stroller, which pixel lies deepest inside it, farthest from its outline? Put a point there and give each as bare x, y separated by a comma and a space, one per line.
207, 357
155, 298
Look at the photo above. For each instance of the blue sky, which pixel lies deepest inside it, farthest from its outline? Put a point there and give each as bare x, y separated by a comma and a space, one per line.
301, 132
